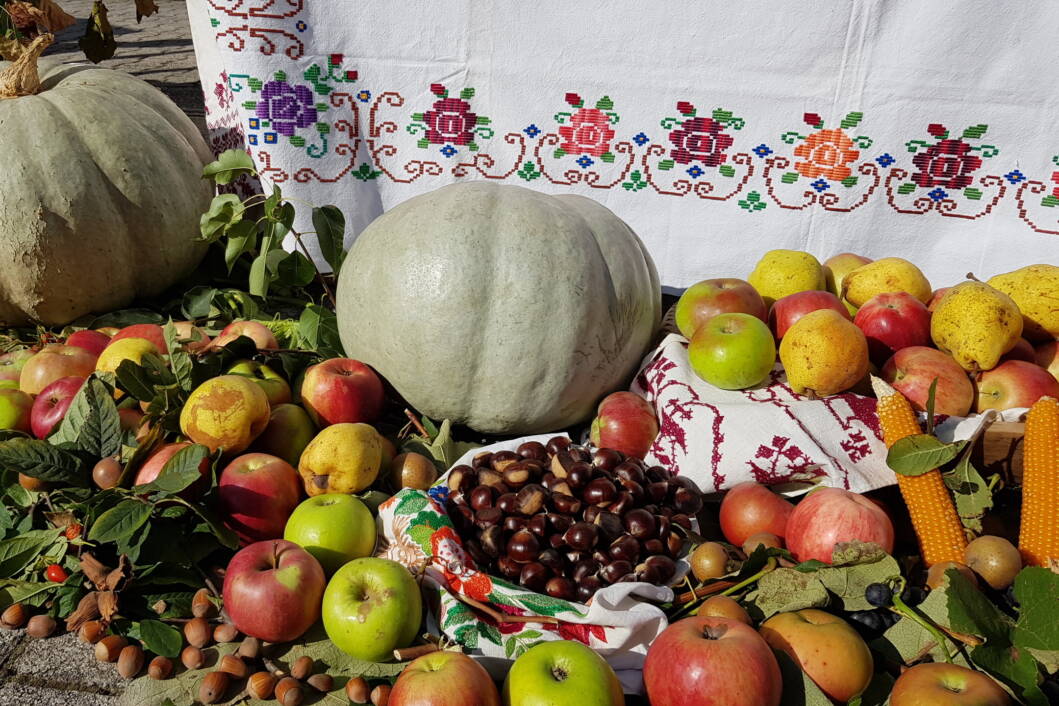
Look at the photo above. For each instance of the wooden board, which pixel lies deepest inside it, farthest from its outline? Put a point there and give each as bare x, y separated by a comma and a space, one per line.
999, 450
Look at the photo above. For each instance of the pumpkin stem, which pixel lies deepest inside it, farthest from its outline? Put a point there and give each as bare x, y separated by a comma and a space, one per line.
21, 77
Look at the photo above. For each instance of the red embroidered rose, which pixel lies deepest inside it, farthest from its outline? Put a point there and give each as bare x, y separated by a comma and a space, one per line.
582, 632
947, 164
450, 120
1055, 178
589, 132
700, 139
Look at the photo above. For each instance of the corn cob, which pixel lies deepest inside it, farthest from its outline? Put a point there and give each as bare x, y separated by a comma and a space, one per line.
1039, 530
934, 519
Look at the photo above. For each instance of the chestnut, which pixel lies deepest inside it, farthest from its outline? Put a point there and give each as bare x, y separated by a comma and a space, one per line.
640, 523
575, 557
538, 524
561, 587
561, 486
507, 503
492, 540
530, 499
682, 520
630, 471
487, 476
590, 513
623, 504
556, 541
566, 504
609, 524
532, 449
462, 517
600, 557
534, 576
632, 488
487, 517
599, 491
687, 501
658, 569
474, 548
552, 559
483, 459
579, 476
461, 479
509, 567
664, 525
608, 459
654, 546
557, 444
657, 492
559, 523
675, 544
561, 464
516, 475
514, 523
578, 453
581, 536
587, 587
658, 474
523, 546
625, 547
503, 459
587, 567
482, 497
615, 571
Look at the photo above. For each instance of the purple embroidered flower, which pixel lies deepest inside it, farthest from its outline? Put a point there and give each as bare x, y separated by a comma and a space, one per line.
288, 107
820, 185
885, 160
938, 194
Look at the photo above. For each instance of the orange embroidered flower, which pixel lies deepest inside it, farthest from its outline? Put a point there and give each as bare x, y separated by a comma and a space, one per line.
827, 152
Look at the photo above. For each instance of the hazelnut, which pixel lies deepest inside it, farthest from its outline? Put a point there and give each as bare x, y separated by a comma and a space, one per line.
160, 668
260, 685
213, 686
109, 648
40, 626
15, 616
322, 682
91, 632
289, 692
197, 632
249, 648
302, 667
192, 657
357, 690
225, 632
233, 665
380, 695
201, 605
130, 661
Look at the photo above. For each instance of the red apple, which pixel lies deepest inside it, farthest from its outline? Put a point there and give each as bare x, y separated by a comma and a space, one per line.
702, 301
749, 508
1015, 383
936, 297
787, 310
257, 493
196, 338
257, 332
92, 341
1023, 350
940, 684
912, 370
341, 390
828, 516
150, 332
708, 661
626, 422
152, 468
54, 362
132, 420
273, 590
893, 321
444, 679
51, 405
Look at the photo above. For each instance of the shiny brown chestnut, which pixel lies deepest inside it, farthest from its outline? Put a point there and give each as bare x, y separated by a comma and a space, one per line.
503, 459
566, 504
608, 459
581, 536
534, 576
530, 499
640, 523
615, 570
523, 546
488, 517
507, 503
599, 491
587, 587
561, 587
557, 444
532, 449
482, 497
538, 524
492, 541
626, 548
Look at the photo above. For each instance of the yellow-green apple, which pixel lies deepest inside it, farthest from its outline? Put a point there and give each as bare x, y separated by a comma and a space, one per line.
704, 300
562, 672
709, 661
257, 494
724, 607
371, 607
892, 321
275, 387
92, 341
825, 647
1015, 383
828, 516
151, 332
6, 384
192, 337
1023, 350
51, 404
1046, 355
225, 412
16, 410
334, 528
749, 508
786, 311
733, 351
257, 332
272, 590
342, 458
626, 422
836, 268
155, 463
936, 297
341, 390
288, 432
444, 679
912, 370
118, 352
53, 362
941, 684
11, 363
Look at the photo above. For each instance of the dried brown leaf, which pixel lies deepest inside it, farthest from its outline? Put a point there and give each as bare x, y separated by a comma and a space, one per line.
108, 604
55, 18
23, 15
11, 49
117, 578
87, 609
94, 570
145, 8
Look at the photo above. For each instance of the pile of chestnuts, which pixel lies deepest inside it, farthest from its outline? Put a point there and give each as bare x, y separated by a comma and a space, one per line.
567, 520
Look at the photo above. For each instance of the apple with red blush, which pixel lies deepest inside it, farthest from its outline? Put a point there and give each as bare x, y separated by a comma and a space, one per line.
53, 362
150, 332
155, 464
341, 390
92, 341
704, 300
786, 311
257, 493
892, 321
1022, 350
51, 405
750, 508
912, 370
1014, 383
257, 332
830, 516
625, 422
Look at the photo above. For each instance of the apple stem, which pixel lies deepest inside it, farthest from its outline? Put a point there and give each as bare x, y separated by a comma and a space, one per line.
416, 423
902, 608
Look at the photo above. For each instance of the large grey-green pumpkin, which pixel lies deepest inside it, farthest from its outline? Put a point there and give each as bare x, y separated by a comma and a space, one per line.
500, 307
101, 191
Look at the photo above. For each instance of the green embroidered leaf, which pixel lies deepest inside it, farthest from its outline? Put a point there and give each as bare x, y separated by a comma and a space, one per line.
722, 116
297, 141
312, 73
972, 193
228, 166
423, 143
790, 177
559, 153
509, 646
975, 131
421, 535
727, 170
120, 521
467, 93
607, 157
467, 635
851, 120
91, 423
1050, 201
666, 164
455, 614
418, 117
489, 633
255, 84
906, 188
472, 146
411, 503
849, 181
545, 605
482, 120
528, 171
39, 459
161, 638
920, 453
249, 105
604, 103
280, 75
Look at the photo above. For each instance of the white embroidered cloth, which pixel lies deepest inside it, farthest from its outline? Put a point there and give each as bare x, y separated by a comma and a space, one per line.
718, 130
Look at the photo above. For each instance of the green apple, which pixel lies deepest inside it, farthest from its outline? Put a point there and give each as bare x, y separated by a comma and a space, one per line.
275, 387
371, 607
288, 432
15, 408
562, 672
8, 384
334, 528
733, 351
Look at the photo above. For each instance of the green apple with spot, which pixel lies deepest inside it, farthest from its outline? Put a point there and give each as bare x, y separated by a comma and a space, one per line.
11, 364
562, 672
733, 351
275, 387
15, 408
371, 607
272, 590
334, 527
288, 432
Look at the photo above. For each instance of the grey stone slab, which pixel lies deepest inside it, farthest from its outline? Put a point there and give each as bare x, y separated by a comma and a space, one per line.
63, 662
9, 641
14, 693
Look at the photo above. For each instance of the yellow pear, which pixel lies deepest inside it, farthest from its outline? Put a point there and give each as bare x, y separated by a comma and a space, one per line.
976, 324
1035, 289
890, 274
342, 458
782, 272
824, 353
836, 268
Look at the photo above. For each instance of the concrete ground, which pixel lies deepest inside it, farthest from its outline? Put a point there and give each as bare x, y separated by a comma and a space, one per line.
62, 671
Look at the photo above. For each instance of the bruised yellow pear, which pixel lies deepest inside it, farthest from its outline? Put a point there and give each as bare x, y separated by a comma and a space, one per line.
890, 274
824, 353
976, 324
782, 272
1035, 290
342, 458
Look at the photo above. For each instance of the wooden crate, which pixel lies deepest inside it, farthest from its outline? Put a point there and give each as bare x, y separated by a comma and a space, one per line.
999, 450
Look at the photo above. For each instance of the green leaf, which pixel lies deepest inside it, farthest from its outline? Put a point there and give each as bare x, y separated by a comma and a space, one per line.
39, 459
241, 238
727, 170
666, 164
259, 275
906, 188
295, 270
143, 381
970, 492
851, 120
920, 453
120, 521
98, 41
212, 523
179, 359
179, 472
19, 551
1050, 201
1016, 668
229, 166
846, 584
467, 93
607, 157
849, 182
1037, 592
604, 103
975, 131
784, 590
91, 423
31, 593
330, 226
318, 331
225, 211
972, 613
790, 177
798, 688
972, 193
160, 638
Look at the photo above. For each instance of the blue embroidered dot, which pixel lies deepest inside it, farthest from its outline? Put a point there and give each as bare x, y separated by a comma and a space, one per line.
301, 26
640, 139
252, 139
885, 160
585, 161
439, 494
762, 150
270, 138
364, 96
255, 123
695, 171
1014, 176
448, 150
938, 194
820, 185
532, 130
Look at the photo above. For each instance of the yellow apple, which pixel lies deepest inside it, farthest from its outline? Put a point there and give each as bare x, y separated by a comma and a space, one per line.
119, 351
939, 684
